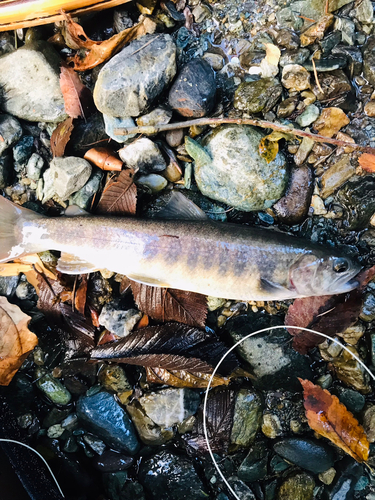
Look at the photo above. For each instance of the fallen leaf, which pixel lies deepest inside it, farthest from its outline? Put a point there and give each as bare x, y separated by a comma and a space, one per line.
48, 298
269, 145
31, 266
331, 121
104, 159
90, 52
120, 196
77, 97
331, 419
81, 295
60, 137
168, 304
367, 162
183, 378
16, 340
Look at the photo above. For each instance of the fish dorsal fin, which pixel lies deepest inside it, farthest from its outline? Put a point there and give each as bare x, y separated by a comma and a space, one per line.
75, 211
180, 207
146, 280
71, 264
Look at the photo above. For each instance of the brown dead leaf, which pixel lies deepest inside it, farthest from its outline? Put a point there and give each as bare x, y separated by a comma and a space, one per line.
269, 145
60, 137
168, 304
77, 97
91, 53
183, 378
331, 419
81, 295
119, 196
104, 159
16, 340
367, 162
317, 30
331, 121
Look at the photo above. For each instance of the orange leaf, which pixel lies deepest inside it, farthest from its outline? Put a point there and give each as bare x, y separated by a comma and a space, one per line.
104, 159
77, 97
331, 419
367, 162
60, 137
80, 298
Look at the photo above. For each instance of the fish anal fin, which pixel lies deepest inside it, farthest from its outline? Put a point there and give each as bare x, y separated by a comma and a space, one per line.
180, 207
71, 264
146, 280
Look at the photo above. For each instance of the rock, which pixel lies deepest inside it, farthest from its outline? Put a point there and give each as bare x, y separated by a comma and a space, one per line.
201, 12
174, 137
102, 415
153, 182
121, 19
135, 77
330, 41
193, 92
132, 490
160, 115
369, 109
271, 426
353, 333
310, 114
6, 171
168, 407
112, 123
247, 417
369, 423
295, 78
29, 78
86, 133
303, 151
143, 154
288, 39
118, 320
68, 174
294, 206
368, 308
34, 167
94, 443
357, 197
329, 63
331, 121
6, 43
353, 400
216, 61
308, 454
346, 480
317, 30
149, 432
300, 486
171, 477
83, 197
241, 489
294, 57
254, 467
257, 96
113, 378
55, 431
51, 387
287, 107
369, 60
10, 131
23, 150
335, 176
347, 29
333, 84
113, 483
327, 476
353, 56
230, 166
364, 11
112, 461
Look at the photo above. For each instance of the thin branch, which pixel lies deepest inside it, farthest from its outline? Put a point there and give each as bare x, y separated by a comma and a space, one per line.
148, 130
316, 75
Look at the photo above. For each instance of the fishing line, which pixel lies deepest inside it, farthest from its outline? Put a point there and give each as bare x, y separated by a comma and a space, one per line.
5, 440
234, 347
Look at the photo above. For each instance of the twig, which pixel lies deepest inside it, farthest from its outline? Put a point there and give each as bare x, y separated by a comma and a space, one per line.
316, 75
308, 19
148, 130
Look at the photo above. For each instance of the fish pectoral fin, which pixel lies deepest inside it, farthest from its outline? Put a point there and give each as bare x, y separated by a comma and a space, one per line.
148, 281
71, 264
180, 207
271, 288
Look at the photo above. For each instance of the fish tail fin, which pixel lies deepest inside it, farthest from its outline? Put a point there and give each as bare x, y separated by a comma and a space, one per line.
12, 217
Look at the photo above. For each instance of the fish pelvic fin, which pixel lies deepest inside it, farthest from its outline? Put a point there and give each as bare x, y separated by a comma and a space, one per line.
12, 218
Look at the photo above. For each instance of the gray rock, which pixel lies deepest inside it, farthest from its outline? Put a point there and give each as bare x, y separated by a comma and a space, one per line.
294, 57
10, 131
69, 175
254, 467
308, 454
110, 461
353, 400
160, 115
364, 11
29, 78
257, 96
310, 114
230, 167
336, 175
48, 190
149, 432
117, 320
368, 308
241, 489
347, 481
369, 60
6, 169
34, 167
247, 417
23, 150
143, 154
154, 182
132, 79
83, 197
121, 19
170, 406
112, 123
101, 414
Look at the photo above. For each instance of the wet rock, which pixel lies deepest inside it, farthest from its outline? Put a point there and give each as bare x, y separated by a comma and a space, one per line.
102, 415
113, 483
247, 417
121, 19
369, 109
112, 461
170, 406
353, 333
369, 423
288, 39
317, 30
271, 426
364, 11
160, 115
174, 137
357, 199
118, 320
335, 176
287, 107
154, 182
294, 206
230, 166
295, 78
241, 489
132, 490
294, 57
200, 13
216, 61
289, 18
55, 431
333, 84
254, 467
113, 378
344, 484
10, 131
257, 96
369, 60
193, 92
368, 308
112, 123
308, 454
353, 400
330, 41
347, 29
6, 43
23, 150
331, 121
133, 78
97, 445
303, 151
144, 155
149, 432
329, 63
171, 477
309, 116
83, 197
6, 170
68, 175
300, 486
327, 476
29, 94
51, 387
34, 167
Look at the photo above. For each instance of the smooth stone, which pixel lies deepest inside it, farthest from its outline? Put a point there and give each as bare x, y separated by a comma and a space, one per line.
29, 78
326, 64
95, 444
328, 476
241, 489
229, 167
23, 150
304, 150
310, 114
118, 320
335, 176
288, 39
367, 313
158, 116
168, 407
135, 77
83, 197
69, 175
368, 423
51, 387
10, 131
246, 418
174, 137
6, 170
357, 197
102, 415
193, 92
344, 484
369, 109
300, 486
353, 400
216, 61
143, 154
112, 461
287, 107
112, 123
149, 432
294, 57
113, 378
330, 41
333, 84
257, 96
56, 416
34, 167
295, 78
171, 477
354, 58
254, 467
55, 431
307, 453
154, 182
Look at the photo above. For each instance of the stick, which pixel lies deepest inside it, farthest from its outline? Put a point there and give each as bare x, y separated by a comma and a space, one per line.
148, 130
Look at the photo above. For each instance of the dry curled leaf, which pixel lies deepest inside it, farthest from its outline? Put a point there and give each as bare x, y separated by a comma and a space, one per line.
331, 419
168, 304
104, 159
120, 196
77, 97
367, 162
183, 378
60, 137
16, 340
269, 145
331, 121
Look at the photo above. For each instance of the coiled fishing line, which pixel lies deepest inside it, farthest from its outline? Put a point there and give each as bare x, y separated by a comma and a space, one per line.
309, 330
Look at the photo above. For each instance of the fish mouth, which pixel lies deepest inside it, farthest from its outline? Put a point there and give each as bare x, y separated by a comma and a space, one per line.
347, 283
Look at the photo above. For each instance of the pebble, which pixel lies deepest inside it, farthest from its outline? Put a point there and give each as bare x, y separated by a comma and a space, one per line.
327, 476
254, 467
299, 486
331, 121
329, 63
83, 197
344, 485
67, 175
101, 414
118, 320
113, 378
294, 57
364, 11
143, 154
51, 387
369, 109
295, 78
136, 76
160, 115
303, 151
22, 151
271, 426
241, 489
333, 84
112, 461
307, 453
288, 39
10, 131
112, 123
6, 170
317, 30
353, 333
34, 167
55, 431
230, 165
216, 61
94, 443
257, 96
121, 19
247, 417
175, 138
353, 400
310, 114
347, 29
287, 107
357, 197
369, 423
154, 182
367, 313
193, 92
335, 176
353, 56
149, 432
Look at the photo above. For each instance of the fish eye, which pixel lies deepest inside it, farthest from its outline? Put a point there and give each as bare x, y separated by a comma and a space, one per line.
340, 265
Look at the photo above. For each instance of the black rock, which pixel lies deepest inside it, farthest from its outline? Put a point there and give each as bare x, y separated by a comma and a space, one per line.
111, 461
330, 41
326, 64
369, 60
345, 481
353, 56
357, 197
193, 92
254, 467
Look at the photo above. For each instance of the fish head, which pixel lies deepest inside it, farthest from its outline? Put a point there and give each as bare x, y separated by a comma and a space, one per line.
314, 274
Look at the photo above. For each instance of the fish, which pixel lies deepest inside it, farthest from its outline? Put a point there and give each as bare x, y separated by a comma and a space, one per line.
182, 249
